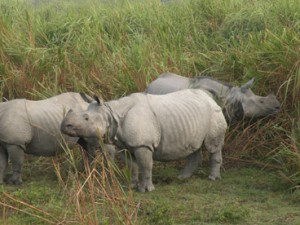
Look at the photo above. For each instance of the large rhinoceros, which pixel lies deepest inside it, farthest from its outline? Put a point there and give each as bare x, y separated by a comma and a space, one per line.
33, 127
237, 102
160, 127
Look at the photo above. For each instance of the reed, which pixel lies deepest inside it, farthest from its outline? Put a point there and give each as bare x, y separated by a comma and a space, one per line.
98, 195
114, 48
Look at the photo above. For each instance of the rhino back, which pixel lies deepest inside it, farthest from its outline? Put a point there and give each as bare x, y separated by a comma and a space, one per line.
184, 118
167, 83
68, 99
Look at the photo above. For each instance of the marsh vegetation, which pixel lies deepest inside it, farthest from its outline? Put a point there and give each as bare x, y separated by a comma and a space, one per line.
114, 48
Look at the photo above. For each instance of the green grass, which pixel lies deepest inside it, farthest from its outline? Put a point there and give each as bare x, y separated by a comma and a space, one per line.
114, 48
245, 195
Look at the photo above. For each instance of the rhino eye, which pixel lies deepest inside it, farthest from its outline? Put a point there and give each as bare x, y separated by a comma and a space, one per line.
86, 117
262, 101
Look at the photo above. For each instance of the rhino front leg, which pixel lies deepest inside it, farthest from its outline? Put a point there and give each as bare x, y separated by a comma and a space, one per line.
110, 150
193, 162
214, 145
16, 155
215, 163
89, 148
144, 158
130, 162
3, 163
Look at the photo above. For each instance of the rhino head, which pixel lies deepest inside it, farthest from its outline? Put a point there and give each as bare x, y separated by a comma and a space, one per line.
242, 102
93, 122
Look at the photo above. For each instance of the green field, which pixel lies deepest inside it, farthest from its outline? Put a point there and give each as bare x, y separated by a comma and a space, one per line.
245, 195
114, 48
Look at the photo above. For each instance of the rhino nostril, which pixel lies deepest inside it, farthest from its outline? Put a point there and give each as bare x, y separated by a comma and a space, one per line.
69, 126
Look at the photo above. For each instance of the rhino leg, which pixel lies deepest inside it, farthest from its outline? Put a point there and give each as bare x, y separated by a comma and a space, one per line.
3, 163
16, 155
214, 146
193, 162
130, 162
89, 150
144, 158
110, 150
215, 163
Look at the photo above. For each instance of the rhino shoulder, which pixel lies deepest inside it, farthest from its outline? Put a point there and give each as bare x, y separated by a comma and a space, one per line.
139, 127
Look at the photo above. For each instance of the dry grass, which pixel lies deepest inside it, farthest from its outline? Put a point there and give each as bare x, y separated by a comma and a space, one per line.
116, 48
90, 197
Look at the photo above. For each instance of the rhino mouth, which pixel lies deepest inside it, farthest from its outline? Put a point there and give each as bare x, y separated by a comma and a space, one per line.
69, 130
272, 112
71, 134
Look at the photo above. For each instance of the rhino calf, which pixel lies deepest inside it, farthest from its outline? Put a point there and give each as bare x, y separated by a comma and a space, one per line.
33, 127
155, 127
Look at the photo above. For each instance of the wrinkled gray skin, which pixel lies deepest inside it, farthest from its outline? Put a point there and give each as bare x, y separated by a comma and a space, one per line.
33, 127
237, 102
156, 127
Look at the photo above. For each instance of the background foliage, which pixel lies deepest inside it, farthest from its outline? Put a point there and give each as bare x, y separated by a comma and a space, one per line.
114, 48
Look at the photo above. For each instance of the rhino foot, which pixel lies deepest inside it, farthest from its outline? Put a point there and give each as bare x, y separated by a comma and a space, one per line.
193, 161
145, 188
134, 184
14, 181
183, 176
211, 177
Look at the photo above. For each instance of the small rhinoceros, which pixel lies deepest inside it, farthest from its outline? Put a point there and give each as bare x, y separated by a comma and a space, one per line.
33, 127
160, 127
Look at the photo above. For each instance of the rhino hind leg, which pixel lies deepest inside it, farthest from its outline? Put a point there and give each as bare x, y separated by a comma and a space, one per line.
192, 164
144, 159
3, 163
214, 146
16, 155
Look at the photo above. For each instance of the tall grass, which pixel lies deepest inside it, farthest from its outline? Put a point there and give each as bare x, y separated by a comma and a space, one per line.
95, 196
113, 48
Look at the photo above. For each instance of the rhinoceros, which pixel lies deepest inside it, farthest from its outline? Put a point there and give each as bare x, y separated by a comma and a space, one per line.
237, 102
155, 127
33, 127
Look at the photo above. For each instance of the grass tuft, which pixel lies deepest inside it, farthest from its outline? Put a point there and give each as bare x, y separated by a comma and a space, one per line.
114, 48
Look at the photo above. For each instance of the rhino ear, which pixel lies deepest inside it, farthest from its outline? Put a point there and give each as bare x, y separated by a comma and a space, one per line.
247, 85
98, 100
85, 97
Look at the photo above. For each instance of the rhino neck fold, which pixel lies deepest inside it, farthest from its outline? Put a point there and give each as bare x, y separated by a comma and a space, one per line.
216, 88
116, 110
225, 95
113, 122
